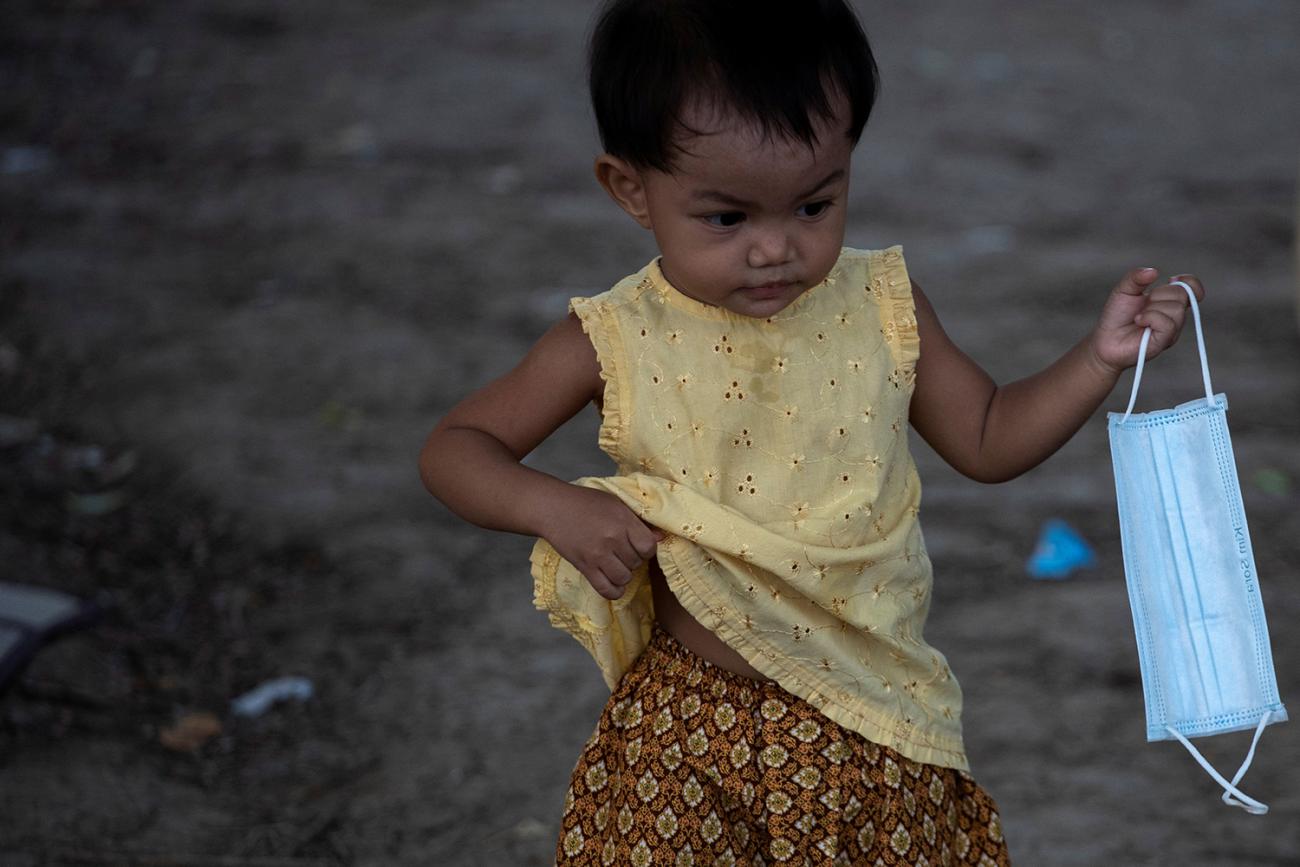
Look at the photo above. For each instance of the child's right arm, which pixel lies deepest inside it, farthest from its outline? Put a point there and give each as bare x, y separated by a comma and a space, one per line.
471, 462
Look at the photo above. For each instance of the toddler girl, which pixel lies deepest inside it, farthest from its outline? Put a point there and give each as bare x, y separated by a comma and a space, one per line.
753, 581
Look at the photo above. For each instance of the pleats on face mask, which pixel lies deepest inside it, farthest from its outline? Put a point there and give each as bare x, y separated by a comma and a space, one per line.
1197, 613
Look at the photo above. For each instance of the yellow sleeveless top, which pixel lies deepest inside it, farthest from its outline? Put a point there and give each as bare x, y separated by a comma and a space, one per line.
773, 452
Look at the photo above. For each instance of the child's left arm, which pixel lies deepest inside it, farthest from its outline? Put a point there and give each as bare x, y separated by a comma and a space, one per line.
993, 433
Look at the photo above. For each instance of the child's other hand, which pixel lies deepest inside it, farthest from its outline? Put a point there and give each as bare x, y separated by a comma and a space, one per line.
601, 537
1131, 308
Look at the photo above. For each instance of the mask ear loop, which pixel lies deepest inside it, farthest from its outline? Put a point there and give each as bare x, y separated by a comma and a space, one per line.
1200, 345
1247, 803
1230, 789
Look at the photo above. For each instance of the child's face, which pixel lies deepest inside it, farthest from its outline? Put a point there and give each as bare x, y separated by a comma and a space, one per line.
748, 223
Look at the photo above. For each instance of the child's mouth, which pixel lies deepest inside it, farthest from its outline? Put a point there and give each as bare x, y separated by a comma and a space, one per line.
767, 290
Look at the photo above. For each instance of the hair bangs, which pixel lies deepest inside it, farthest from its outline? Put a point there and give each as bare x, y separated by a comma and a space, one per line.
780, 65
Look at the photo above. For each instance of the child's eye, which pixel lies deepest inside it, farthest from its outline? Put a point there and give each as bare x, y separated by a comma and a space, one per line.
814, 209
725, 221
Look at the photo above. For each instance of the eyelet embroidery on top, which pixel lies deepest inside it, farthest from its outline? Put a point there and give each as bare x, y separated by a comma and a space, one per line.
853, 376
742, 439
660, 292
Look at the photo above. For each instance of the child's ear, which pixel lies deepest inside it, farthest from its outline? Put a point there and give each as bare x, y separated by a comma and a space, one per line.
624, 185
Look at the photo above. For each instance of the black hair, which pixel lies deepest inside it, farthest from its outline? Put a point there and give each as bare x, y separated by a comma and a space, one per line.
775, 62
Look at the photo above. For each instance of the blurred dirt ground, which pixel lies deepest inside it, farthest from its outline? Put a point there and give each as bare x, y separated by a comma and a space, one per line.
250, 252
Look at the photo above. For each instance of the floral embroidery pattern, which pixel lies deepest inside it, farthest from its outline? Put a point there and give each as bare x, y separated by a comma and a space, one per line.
773, 454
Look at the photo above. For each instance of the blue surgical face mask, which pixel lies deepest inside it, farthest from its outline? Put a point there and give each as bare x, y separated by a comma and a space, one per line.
1201, 636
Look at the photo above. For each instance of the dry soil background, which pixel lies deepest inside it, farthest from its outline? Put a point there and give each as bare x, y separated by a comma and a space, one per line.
261, 246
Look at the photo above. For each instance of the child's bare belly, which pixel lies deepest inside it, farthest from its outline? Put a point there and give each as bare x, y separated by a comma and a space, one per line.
678, 623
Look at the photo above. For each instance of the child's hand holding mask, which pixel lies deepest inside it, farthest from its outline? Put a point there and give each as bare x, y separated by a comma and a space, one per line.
1131, 309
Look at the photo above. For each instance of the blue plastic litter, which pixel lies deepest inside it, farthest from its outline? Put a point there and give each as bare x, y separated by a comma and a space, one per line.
258, 701
1060, 551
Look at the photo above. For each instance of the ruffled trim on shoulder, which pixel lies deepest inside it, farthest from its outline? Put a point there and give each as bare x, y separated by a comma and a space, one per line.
601, 327
892, 288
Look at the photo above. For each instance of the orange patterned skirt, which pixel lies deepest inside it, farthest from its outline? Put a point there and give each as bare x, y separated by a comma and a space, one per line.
692, 764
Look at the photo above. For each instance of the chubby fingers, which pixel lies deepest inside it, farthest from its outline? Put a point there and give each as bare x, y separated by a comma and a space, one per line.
617, 571
614, 570
1136, 281
1166, 311
601, 584
1167, 305
1191, 280
644, 539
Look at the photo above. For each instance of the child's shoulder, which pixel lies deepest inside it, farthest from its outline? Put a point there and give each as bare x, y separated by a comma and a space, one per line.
628, 290
883, 272
880, 259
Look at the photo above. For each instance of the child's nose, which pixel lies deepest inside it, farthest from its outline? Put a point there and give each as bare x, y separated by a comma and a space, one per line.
769, 246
